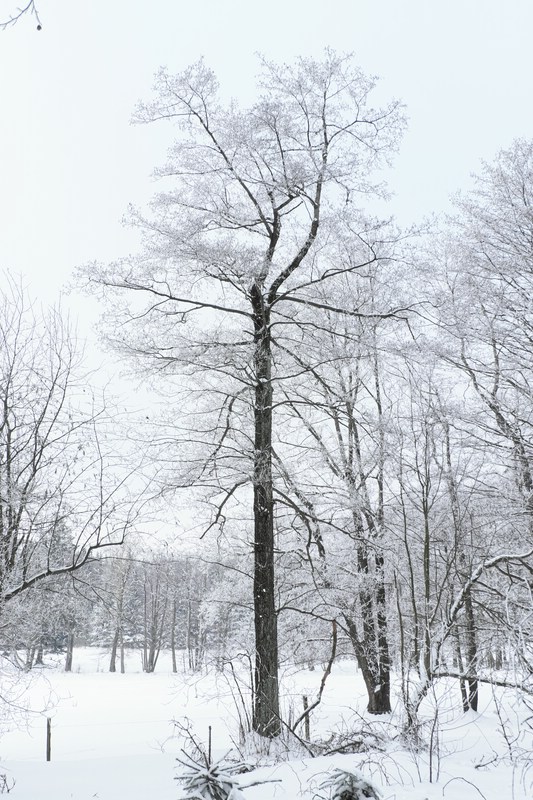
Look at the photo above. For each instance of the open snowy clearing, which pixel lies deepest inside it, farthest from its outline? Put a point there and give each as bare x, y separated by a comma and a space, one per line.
113, 737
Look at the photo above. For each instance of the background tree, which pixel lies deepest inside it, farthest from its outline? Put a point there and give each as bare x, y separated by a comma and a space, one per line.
491, 266
50, 617
465, 443
488, 320
63, 493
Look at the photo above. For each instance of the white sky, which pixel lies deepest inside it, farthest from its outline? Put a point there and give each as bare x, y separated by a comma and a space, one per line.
70, 162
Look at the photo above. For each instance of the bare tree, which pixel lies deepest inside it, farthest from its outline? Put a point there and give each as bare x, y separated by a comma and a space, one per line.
63, 489
465, 464
488, 322
490, 272
232, 251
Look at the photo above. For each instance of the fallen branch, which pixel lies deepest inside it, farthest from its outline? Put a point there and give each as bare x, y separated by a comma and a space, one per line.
492, 681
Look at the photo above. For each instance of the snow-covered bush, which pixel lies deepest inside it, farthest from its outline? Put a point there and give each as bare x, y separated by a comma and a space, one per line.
205, 780
343, 784
209, 781
214, 781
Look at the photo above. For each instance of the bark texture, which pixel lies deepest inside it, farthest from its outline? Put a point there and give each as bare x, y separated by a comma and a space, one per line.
266, 699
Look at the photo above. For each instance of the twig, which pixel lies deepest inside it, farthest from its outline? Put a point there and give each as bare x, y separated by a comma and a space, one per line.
465, 780
29, 8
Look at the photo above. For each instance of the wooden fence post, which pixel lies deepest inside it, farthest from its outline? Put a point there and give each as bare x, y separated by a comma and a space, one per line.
48, 739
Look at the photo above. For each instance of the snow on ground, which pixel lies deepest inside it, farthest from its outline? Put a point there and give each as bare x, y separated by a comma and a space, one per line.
113, 737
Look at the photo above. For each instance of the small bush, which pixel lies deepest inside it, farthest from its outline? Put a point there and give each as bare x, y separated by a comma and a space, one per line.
207, 781
344, 784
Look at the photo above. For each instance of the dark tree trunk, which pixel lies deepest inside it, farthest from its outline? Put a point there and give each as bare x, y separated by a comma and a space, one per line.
376, 672
266, 719
382, 695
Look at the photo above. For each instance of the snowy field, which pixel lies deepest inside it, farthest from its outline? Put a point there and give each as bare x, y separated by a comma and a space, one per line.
113, 737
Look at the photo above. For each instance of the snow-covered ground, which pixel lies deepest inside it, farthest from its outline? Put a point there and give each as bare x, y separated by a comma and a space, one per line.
113, 737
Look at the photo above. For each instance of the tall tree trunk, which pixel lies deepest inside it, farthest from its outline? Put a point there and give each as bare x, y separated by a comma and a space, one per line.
382, 694
266, 719
382, 687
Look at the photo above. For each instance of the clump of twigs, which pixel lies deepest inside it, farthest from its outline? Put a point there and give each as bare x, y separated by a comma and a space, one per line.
5, 784
362, 741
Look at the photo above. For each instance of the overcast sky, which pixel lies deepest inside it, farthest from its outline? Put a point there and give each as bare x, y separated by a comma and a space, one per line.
70, 161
